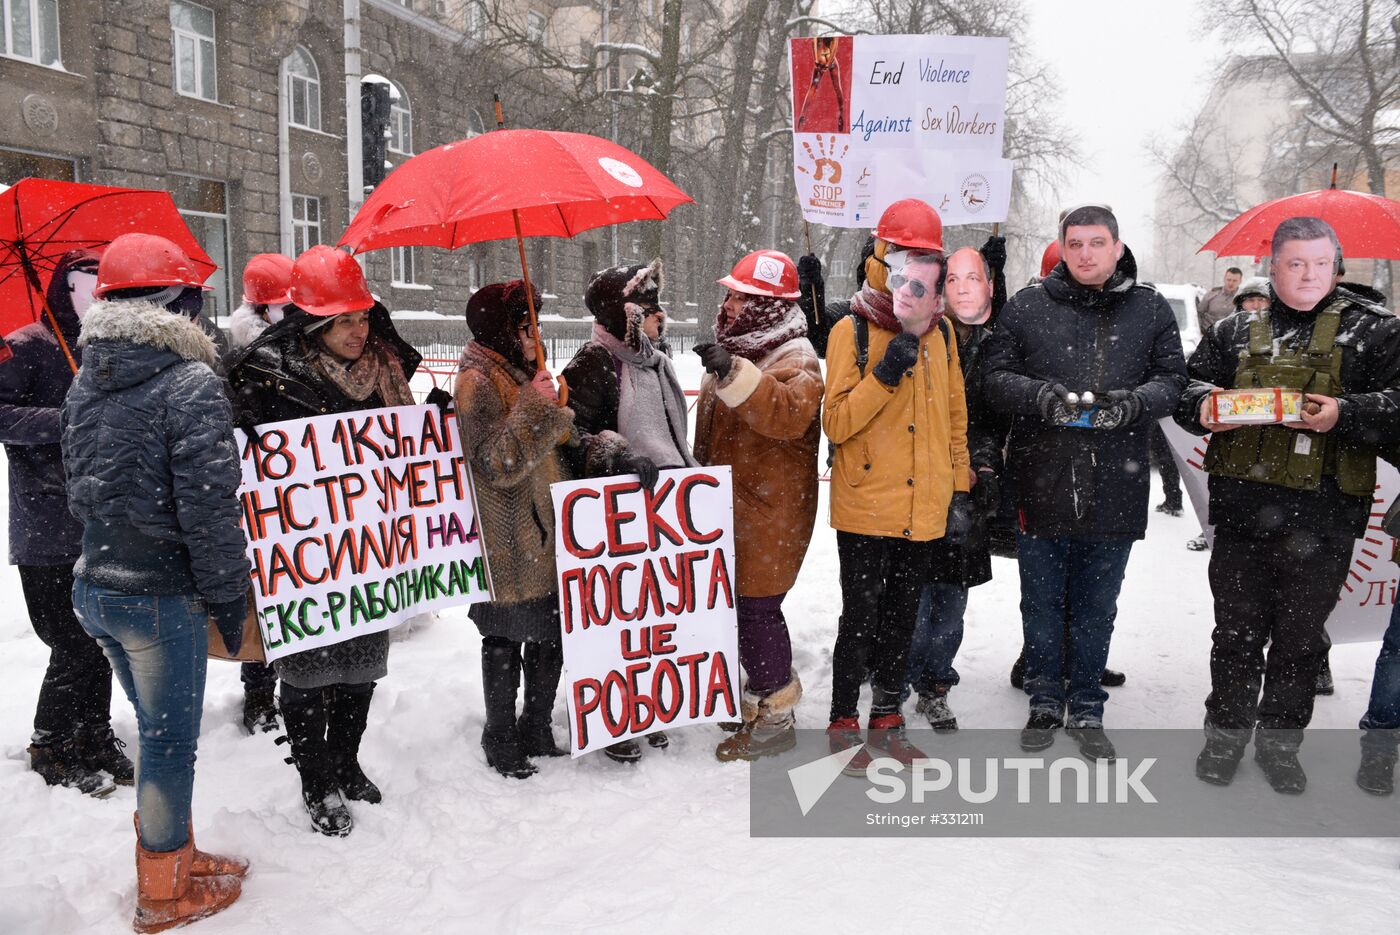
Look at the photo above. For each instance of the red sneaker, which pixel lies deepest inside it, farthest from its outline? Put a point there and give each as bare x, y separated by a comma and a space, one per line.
887, 738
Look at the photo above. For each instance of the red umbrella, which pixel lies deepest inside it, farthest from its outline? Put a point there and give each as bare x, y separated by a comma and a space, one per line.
557, 185
511, 183
42, 219
1367, 225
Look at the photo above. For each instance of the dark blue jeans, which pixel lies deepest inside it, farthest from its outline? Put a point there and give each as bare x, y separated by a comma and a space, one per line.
938, 633
1382, 720
158, 646
1086, 575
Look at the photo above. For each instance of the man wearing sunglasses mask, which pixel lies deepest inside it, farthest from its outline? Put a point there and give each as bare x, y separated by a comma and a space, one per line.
896, 412
1077, 464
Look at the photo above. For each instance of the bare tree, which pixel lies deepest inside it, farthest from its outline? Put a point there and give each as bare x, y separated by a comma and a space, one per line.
1343, 60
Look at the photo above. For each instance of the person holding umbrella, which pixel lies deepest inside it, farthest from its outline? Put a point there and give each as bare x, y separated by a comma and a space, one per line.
72, 744
1287, 500
758, 412
335, 351
153, 473
519, 440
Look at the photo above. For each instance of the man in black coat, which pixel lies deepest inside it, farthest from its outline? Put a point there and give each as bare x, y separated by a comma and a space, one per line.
1287, 500
1082, 362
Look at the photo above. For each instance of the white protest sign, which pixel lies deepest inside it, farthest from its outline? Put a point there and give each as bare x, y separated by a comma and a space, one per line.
1368, 593
357, 522
646, 601
880, 118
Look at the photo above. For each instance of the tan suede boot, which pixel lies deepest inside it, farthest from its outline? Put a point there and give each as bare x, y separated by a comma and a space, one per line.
204, 864
769, 726
168, 896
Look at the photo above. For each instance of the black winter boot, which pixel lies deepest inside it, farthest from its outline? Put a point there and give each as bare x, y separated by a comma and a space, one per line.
99, 749
1325, 685
57, 762
304, 713
1018, 672
347, 713
544, 661
259, 710
1277, 756
1376, 774
500, 738
1220, 757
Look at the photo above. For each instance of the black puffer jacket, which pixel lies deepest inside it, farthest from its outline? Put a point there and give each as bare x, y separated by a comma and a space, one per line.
1369, 412
273, 380
970, 564
32, 386
1084, 483
148, 447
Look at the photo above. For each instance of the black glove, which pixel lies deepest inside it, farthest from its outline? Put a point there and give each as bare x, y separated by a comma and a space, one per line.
809, 271
228, 618
959, 518
643, 467
900, 355
987, 494
1053, 403
439, 397
994, 252
1122, 408
715, 358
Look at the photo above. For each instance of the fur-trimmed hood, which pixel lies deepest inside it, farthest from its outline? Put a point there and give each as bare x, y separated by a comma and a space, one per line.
129, 342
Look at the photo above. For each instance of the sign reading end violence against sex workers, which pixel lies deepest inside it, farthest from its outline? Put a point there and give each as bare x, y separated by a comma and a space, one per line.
357, 522
646, 603
879, 118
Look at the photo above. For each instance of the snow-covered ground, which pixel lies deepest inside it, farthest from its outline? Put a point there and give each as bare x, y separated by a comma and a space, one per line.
664, 846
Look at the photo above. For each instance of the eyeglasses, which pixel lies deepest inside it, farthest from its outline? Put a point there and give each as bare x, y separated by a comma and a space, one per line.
899, 281
526, 329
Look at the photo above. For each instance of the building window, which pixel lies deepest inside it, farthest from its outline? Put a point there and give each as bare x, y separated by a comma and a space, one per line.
30, 29
405, 266
306, 223
476, 19
192, 35
536, 23
303, 90
203, 203
17, 164
400, 123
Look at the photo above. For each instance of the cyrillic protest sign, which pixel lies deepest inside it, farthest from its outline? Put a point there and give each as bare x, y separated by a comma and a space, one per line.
1368, 593
880, 118
646, 603
357, 522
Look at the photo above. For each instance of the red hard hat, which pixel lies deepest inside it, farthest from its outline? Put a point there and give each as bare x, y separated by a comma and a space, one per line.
327, 281
911, 223
1050, 258
266, 279
764, 272
133, 261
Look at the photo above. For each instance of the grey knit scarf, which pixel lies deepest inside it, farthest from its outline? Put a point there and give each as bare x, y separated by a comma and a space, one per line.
651, 413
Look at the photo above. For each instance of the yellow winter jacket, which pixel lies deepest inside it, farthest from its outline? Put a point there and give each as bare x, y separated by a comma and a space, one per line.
901, 452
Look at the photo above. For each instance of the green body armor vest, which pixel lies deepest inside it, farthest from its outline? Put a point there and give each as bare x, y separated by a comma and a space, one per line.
1272, 454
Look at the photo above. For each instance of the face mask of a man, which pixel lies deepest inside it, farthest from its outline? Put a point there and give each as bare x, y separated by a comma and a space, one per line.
80, 286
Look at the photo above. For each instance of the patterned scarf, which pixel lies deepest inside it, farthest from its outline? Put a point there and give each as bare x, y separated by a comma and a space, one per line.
764, 324
876, 307
377, 369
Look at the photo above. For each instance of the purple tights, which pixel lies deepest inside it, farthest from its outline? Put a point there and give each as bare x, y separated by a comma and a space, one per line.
765, 651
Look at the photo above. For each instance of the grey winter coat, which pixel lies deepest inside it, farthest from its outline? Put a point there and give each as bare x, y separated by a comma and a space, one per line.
152, 466
32, 385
